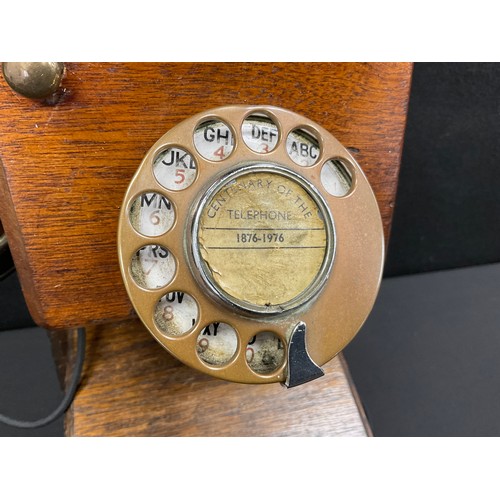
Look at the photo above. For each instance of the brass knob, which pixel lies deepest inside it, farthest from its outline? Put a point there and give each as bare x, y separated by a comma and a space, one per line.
36, 80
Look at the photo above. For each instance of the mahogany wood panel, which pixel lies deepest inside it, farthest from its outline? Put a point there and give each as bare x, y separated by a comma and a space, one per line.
132, 387
66, 166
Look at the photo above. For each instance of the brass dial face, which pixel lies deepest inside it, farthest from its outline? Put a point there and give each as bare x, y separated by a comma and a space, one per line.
243, 225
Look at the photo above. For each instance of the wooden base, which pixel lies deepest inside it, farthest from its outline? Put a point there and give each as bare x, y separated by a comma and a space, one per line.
63, 172
132, 387
65, 168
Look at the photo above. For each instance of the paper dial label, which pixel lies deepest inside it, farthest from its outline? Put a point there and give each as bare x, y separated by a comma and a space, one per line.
262, 238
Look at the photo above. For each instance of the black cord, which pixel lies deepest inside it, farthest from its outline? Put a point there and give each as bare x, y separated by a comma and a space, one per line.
68, 398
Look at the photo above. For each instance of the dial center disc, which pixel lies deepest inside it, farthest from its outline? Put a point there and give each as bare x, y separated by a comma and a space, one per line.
263, 239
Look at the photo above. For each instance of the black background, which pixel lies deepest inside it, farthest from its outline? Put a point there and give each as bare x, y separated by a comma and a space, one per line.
416, 374
447, 212
426, 361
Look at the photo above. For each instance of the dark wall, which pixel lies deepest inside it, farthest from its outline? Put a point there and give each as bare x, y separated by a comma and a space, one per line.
426, 361
14, 313
447, 211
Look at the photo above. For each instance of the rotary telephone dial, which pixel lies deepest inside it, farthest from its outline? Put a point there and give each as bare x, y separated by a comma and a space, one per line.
251, 244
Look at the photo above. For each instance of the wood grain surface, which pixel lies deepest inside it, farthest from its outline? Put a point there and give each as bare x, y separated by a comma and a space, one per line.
66, 166
132, 387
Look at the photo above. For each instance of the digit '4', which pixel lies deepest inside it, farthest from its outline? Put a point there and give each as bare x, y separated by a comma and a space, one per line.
219, 152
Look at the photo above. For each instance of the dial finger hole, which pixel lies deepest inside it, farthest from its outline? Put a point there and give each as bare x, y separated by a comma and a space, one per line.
260, 133
336, 178
151, 214
302, 147
217, 343
214, 140
175, 169
265, 352
176, 313
152, 267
